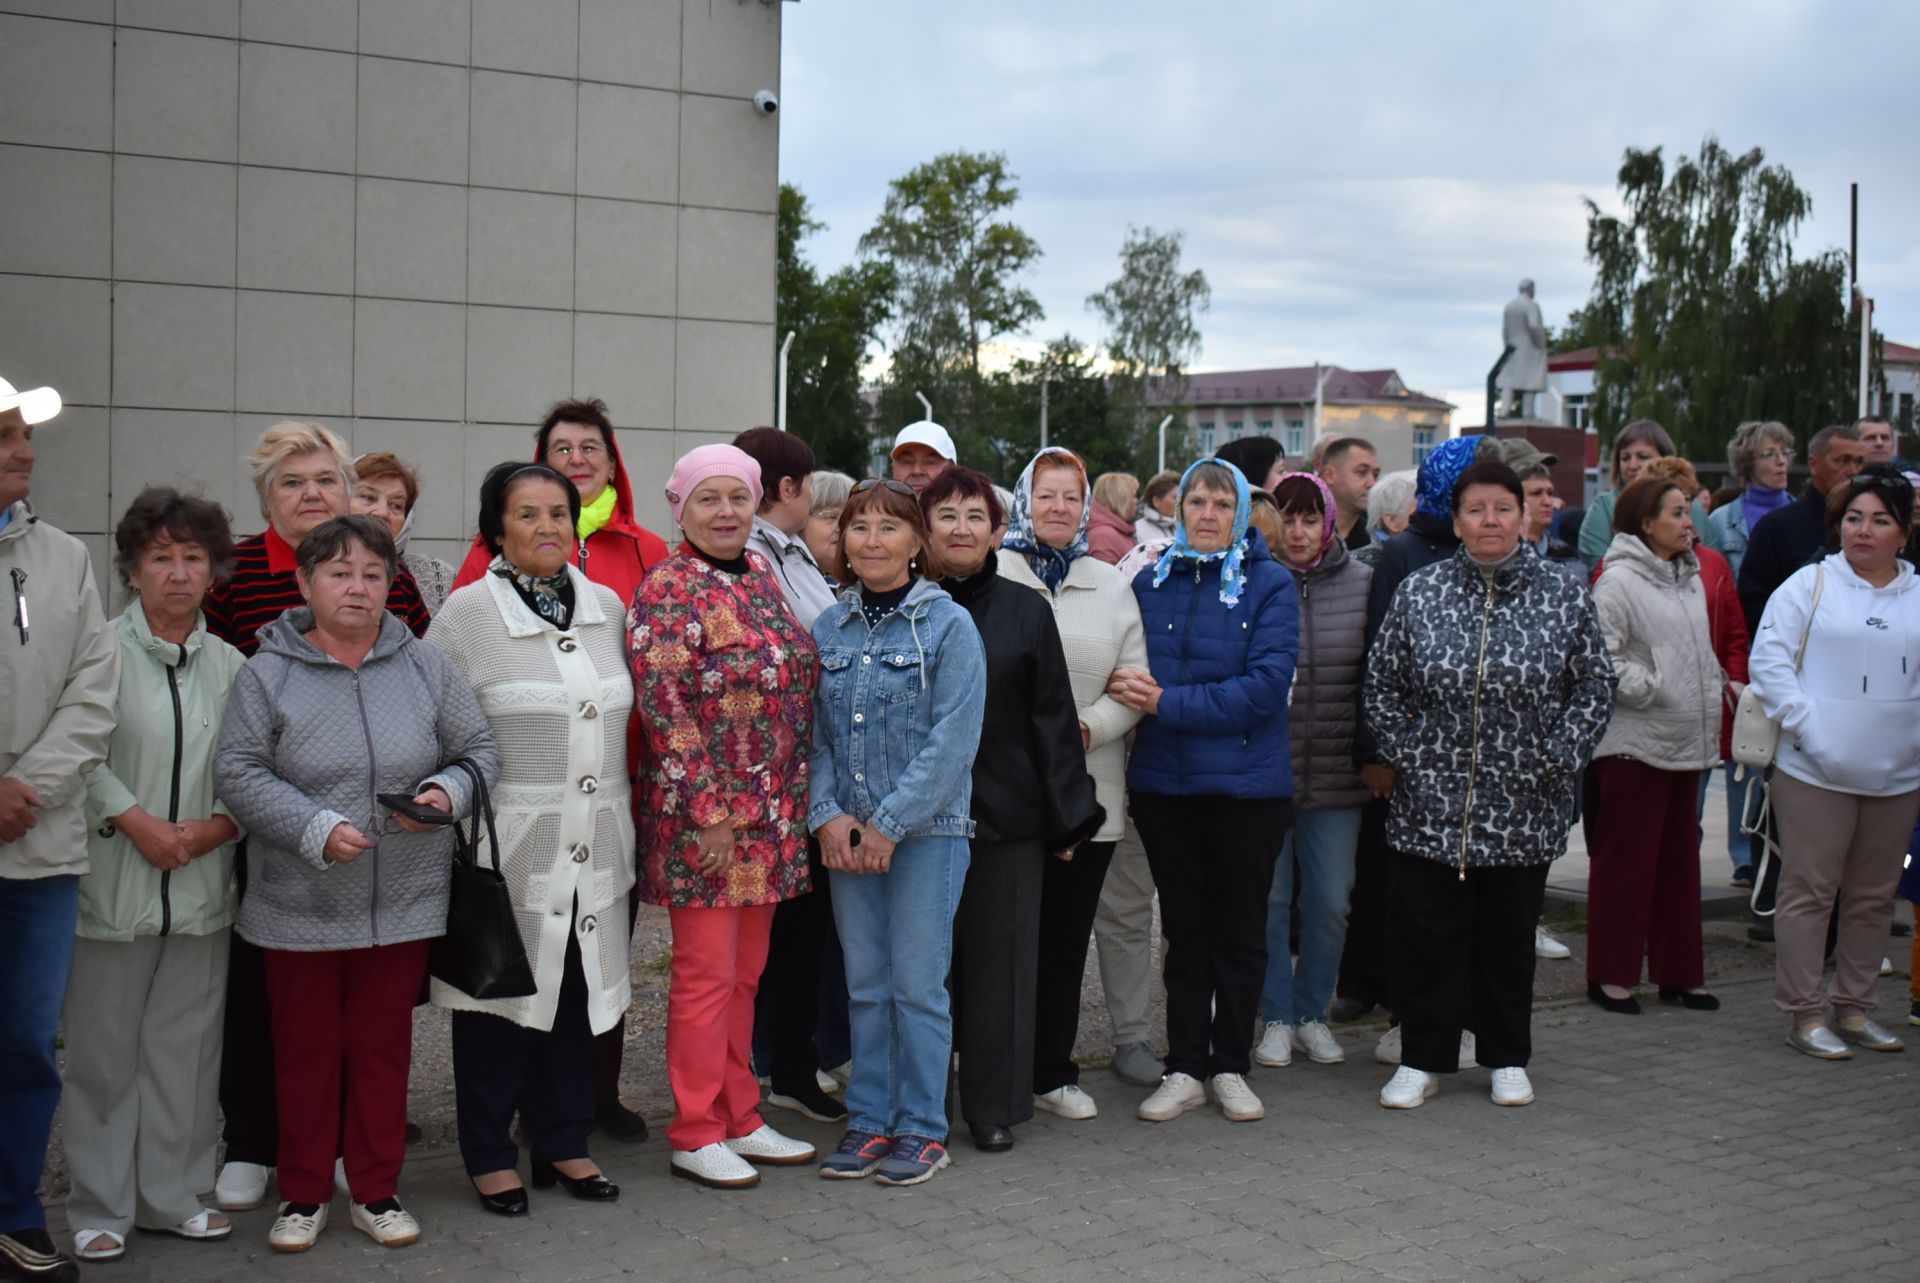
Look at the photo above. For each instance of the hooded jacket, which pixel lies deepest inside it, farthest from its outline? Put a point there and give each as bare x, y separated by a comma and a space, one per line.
59, 677
1326, 685
1671, 687
172, 701
1486, 691
309, 743
1109, 535
618, 555
1850, 715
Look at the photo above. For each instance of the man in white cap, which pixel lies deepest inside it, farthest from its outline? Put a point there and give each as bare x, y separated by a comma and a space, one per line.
59, 681
921, 452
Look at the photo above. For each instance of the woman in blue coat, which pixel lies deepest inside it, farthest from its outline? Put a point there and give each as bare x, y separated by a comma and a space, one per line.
1211, 779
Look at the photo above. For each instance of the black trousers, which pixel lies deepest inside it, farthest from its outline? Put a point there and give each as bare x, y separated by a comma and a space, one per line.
1462, 957
548, 1076
786, 1011
1069, 898
610, 1050
1212, 860
996, 960
247, 1083
1363, 959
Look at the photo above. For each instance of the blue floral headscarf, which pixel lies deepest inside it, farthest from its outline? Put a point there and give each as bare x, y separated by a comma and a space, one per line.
1434, 489
1049, 563
1233, 573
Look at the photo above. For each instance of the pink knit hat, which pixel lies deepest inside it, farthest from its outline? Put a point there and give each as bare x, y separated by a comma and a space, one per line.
707, 461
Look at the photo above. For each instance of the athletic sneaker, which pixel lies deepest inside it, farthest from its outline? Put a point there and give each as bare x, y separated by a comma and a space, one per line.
858, 1155
1237, 1100
914, 1159
1387, 1050
1275, 1048
1176, 1094
1545, 946
386, 1223
1067, 1102
1511, 1086
1408, 1089
1314, 1038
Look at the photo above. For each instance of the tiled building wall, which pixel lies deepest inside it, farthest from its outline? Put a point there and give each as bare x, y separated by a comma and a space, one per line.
418, 221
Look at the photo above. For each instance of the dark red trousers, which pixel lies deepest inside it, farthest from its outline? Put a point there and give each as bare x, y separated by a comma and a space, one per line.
1643, 891
343, 1041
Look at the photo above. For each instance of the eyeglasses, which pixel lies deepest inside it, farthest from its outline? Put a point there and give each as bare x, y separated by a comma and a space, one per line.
587, 450
1775, 456
898, 487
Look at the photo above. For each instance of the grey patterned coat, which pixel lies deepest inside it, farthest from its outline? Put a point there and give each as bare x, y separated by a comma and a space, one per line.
1326, 682
1487, 692
307, 743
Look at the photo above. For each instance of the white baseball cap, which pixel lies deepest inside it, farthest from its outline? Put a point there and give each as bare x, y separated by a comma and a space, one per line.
36, 405
930, 434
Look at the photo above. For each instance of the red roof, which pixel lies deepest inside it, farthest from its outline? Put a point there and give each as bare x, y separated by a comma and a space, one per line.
1295, 384
1580, 358
1901, 354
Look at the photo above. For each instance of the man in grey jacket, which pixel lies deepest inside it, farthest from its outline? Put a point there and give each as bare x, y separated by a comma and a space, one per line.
59, 676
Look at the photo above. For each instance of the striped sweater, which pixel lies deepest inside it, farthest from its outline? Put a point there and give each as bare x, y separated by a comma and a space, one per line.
262, 587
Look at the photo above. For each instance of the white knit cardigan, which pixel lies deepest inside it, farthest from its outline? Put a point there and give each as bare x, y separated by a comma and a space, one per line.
559, 703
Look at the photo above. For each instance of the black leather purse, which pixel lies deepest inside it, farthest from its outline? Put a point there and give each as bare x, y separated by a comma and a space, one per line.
481, 954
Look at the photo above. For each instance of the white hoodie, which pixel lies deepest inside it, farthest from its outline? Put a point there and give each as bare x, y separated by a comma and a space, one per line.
1850, 718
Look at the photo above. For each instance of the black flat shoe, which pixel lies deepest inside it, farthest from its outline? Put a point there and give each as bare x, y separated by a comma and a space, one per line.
1627, 1006
621, 1123
805, 1097
1691, 1001
508, 1202
991, 1138
593, 1189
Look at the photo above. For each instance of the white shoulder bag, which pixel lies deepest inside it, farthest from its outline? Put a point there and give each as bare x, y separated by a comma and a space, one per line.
1756, 738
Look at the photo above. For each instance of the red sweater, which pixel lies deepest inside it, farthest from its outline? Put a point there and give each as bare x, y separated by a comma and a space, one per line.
262, 587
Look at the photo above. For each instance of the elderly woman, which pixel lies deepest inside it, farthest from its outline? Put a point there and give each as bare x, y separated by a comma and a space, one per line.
304, 478
1211, 779
1635, 446
895, 727
387, 487
1761, 456
1156, 520
829, 492
726, 675
156, 905
545, 649
1833, 666
1327, 791
1390, 506
1655, 613
1032, 798
339, 705
1487, 689
1110, 519
1107, 886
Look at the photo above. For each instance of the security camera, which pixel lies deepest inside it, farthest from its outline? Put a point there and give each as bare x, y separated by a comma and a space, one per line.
767, 101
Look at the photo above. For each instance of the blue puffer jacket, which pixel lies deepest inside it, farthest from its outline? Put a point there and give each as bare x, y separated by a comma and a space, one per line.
1225, 677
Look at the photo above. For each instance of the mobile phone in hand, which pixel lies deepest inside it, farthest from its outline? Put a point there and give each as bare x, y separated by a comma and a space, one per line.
401, 804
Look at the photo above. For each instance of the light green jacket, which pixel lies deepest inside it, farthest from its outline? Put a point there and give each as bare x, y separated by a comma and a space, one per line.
161, 759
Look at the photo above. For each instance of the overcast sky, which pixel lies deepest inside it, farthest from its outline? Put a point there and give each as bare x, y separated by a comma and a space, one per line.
1364, 184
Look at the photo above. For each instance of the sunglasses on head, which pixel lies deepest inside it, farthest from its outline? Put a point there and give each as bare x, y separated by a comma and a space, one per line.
898, 487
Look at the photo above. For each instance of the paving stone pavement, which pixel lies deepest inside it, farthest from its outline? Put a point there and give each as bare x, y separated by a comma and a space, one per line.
1675, 1145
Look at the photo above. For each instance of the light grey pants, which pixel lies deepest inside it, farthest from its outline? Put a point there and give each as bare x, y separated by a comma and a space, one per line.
1123, 931
141, 1111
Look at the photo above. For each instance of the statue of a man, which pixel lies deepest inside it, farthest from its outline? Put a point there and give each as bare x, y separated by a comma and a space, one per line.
1525, 373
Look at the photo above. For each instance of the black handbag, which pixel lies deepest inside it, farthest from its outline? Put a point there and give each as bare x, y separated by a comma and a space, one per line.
481, 954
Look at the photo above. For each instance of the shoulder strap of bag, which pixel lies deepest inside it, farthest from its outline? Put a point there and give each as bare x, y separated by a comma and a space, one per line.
1819, 585
482, 811
1760, 801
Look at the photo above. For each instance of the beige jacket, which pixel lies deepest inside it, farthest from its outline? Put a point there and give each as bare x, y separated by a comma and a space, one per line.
1653, 614
1100, 630
59, 683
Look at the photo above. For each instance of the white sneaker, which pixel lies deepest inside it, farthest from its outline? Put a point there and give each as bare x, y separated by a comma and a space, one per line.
1545, 946
1237, 1100
1466, 1051
393, 1226
765, 1145
296, 1231
241, 1187
1314, 1038
842, 1073
1408, 1089
826, 1082
340, 1178
714, 1165
1387, 1050
1176, 1094
1275, 1049
1512, 1087
1886, 966
1067, 1102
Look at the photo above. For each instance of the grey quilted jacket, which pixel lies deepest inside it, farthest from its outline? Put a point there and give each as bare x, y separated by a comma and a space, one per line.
309, 742
1326, 683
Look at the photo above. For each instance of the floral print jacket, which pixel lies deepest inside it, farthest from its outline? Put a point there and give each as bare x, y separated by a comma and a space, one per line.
723, 681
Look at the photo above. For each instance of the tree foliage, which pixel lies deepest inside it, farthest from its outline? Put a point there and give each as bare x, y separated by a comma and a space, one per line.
1701, 312
1149, 309
834, 321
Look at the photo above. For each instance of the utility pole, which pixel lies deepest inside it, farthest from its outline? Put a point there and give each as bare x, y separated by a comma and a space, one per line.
1860, 300
1044, 382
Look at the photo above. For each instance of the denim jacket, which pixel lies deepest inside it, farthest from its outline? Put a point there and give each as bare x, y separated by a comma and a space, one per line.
897, 716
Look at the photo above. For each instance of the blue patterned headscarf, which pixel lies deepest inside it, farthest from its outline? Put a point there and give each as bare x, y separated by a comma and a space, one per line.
1049, 563
1434, 490
1233, 557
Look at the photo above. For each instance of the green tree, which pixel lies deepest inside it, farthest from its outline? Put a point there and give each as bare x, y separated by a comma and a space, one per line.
1702, 313
1083, 413
1149, 309
834, 322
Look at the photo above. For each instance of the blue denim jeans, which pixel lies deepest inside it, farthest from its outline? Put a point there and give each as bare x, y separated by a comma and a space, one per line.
1739, 846
896, 930
37, 921
1322, 842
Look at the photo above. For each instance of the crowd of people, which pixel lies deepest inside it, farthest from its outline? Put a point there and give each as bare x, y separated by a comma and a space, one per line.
890, 753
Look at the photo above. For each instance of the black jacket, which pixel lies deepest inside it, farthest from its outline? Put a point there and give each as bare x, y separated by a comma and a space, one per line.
1030, 780
1426, 540
1784, 541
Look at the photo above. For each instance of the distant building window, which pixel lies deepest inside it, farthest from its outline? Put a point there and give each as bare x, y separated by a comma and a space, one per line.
1903, 418
1577, 410
1265, 426
1206, 439
1422, 443
1295, 442
1234, 429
